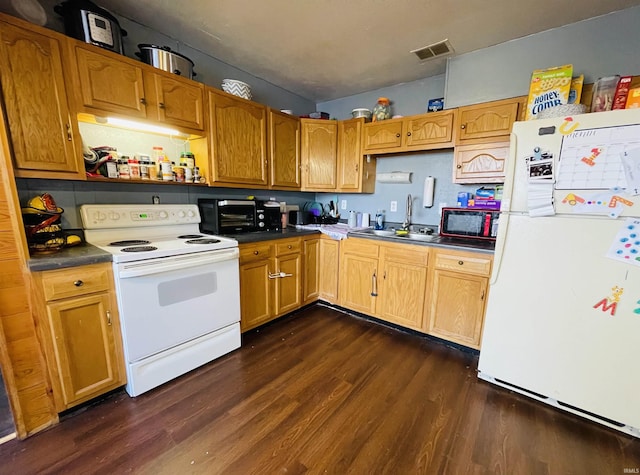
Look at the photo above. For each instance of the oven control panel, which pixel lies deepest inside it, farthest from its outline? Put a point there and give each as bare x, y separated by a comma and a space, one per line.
127, 216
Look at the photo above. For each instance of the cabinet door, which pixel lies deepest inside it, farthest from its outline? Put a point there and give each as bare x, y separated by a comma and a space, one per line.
384, 136
284, 150
255, 294
177, 101
311, 282
43, 133
487, 121
329, 262
239, 139
403, 286
359, 283
110, 84
319, 154
350, 155
429, 129
481, 163
288, 294
457, 308
86, 351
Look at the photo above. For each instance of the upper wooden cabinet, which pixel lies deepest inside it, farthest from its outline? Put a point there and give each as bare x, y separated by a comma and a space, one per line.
319, 154
284, 150
238, 135
43, 132
417, 132
487, 122
116, 84
332, 158
480, 163
355, 173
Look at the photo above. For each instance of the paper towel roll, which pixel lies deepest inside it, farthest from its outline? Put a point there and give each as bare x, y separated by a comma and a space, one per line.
429, 188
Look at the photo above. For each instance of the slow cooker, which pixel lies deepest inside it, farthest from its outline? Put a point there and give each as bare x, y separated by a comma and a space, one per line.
86, 21
163, 57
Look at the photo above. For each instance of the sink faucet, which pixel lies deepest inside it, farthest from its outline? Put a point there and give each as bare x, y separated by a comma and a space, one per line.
407, 217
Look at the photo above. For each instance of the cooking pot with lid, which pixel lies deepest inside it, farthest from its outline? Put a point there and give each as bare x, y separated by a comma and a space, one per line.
162, 57
86, 21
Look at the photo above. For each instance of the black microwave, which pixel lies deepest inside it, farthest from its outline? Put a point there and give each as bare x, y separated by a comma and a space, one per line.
221, 216
469, 223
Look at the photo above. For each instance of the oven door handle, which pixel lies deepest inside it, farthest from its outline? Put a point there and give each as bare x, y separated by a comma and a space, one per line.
157, 266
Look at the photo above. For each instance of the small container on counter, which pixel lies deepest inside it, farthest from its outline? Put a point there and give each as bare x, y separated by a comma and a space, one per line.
112, 169
196, 174
179, 173
188, 175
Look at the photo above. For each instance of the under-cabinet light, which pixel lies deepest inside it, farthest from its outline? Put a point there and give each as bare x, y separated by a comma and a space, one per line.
142, 127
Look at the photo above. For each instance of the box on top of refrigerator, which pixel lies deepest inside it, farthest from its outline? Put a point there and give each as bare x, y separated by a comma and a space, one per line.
549, 88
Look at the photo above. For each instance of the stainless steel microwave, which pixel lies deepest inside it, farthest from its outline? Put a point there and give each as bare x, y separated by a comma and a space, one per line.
469, 223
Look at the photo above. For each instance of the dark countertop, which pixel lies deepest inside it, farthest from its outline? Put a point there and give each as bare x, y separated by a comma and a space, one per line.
82, 255
438, 241
269, 235
87, 254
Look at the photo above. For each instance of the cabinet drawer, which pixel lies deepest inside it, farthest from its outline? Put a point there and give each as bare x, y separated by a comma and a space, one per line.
361, 247
63, 283
406, 254
468, 263
254, 252
288, 246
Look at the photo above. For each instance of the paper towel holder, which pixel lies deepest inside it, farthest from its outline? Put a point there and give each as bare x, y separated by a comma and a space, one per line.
394, 177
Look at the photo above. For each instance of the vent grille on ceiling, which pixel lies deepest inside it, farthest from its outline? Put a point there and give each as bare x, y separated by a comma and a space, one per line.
441, 48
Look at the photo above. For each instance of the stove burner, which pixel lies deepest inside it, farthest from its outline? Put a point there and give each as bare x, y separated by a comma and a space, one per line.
203, 241
139, 248
129, 242
190, 236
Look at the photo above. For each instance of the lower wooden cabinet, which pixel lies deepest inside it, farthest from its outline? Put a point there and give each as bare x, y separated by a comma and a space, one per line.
385, 280
311, 281
80, 327
459, 293
329, 269
271, 279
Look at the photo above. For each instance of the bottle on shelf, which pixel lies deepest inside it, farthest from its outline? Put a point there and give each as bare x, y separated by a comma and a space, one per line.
158, 157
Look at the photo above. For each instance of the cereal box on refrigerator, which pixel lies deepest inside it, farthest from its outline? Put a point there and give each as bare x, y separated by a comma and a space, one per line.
549, 88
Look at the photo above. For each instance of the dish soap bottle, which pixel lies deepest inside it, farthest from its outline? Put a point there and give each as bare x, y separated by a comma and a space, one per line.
379, 220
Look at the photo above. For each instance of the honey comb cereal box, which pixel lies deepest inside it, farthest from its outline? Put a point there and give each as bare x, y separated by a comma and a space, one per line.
549, 88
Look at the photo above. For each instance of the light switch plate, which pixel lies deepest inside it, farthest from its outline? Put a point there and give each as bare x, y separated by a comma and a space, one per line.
343, 204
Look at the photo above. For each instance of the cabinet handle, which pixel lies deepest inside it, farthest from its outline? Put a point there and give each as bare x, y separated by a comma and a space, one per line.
408, 134
109, 317
78, 283
482, 296
459, 166
143, 101
384, 275
374, 284
357, 166
460, 263
397, 136
161, 105
289, 246
255, 253
69, 136
463, 126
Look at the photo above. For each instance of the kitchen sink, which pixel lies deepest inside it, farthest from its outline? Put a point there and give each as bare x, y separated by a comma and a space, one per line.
422, 237
384, 232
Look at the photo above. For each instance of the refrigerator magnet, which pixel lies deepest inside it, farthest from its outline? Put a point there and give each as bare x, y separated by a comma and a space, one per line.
626, 245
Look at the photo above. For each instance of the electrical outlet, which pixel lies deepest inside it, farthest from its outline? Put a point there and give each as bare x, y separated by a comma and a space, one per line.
343, 204
393, 206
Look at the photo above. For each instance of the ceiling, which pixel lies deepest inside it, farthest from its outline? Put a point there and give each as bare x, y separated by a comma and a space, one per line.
327, 49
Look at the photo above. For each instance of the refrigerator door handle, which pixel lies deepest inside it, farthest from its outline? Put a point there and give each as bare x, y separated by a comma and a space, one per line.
503, 228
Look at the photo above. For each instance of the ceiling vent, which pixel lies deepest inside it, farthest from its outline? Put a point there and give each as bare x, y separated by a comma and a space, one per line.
441, 48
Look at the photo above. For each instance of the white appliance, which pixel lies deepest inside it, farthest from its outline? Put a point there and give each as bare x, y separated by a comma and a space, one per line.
178, 291
563, 319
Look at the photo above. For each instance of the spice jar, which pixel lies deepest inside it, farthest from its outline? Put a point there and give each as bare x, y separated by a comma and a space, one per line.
123, 169
167, 170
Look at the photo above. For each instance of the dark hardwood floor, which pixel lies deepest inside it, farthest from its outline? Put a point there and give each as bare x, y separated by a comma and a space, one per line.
324, 392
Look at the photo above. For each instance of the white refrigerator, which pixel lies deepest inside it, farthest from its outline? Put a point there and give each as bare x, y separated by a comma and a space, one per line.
563, 315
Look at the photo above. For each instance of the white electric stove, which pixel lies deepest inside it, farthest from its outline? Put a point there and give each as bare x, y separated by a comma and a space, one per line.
178, 290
